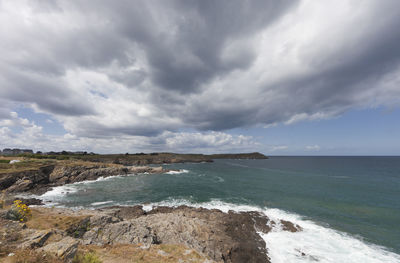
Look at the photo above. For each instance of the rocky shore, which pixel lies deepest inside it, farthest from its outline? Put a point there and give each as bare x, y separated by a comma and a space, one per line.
181, 232
40, 179
122, 234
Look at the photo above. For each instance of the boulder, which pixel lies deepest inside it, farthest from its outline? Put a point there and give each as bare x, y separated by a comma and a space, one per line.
21, 185
65, 248
35, 238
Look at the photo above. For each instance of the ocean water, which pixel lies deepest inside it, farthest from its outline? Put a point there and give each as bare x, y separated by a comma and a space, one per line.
349, 207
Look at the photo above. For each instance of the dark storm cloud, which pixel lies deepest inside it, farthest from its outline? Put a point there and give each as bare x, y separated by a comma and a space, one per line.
143, 67
183, 40
335, 86
203, 29
48, 93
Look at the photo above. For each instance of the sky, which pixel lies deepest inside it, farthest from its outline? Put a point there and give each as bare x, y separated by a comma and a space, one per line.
279, 77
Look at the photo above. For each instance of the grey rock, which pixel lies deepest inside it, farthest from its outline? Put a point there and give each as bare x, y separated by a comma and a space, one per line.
64, 249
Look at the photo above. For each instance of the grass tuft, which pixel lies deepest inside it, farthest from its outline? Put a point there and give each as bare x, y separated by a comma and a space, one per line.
89, 257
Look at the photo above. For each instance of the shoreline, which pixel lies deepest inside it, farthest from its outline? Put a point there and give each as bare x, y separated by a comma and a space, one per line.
39, 180
213, 235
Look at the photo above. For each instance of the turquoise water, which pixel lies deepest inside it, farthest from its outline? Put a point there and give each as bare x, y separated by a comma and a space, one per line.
359, 196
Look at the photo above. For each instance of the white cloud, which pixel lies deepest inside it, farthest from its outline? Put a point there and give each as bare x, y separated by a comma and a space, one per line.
32, 136
313, 147
279, 148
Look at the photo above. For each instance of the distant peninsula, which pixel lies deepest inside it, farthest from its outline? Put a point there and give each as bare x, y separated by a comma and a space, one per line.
129, 158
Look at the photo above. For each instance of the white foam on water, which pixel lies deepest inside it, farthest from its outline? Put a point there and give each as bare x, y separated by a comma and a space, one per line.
147, 207
318, 243
100, 179
219, 179
181, 171
101, 203
314, 243
59, 191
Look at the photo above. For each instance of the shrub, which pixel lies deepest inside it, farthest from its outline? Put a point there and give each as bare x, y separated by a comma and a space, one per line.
89, 257
19, 212
4, 161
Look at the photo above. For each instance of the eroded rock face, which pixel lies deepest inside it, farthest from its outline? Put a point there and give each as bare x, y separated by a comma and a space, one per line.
230, 237
39, 176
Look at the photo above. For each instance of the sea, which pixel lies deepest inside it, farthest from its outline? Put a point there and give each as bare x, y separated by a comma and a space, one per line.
348, 207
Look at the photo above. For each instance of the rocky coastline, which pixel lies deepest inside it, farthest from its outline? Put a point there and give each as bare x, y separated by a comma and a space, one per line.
42, 178
207, 235
118, 234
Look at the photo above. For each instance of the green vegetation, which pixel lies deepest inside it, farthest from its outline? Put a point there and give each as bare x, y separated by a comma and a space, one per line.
19, 212
89, 257
4, 161
24, 165
47, 156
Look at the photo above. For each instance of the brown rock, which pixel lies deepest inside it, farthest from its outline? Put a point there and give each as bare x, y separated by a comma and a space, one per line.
289, 226
129, 212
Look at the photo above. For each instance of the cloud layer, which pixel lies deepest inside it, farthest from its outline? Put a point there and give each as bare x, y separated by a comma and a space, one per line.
143, 69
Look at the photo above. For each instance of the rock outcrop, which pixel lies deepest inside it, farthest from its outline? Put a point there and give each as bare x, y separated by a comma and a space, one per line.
64, 249
218, 236
39, 180
227, 237
20, 181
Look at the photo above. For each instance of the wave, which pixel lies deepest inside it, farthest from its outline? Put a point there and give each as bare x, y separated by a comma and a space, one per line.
100, 179
315, 243
59, 191
101, 203
181, 171
219, 179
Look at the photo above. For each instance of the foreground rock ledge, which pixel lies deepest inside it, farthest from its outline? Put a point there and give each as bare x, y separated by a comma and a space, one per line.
214, 235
